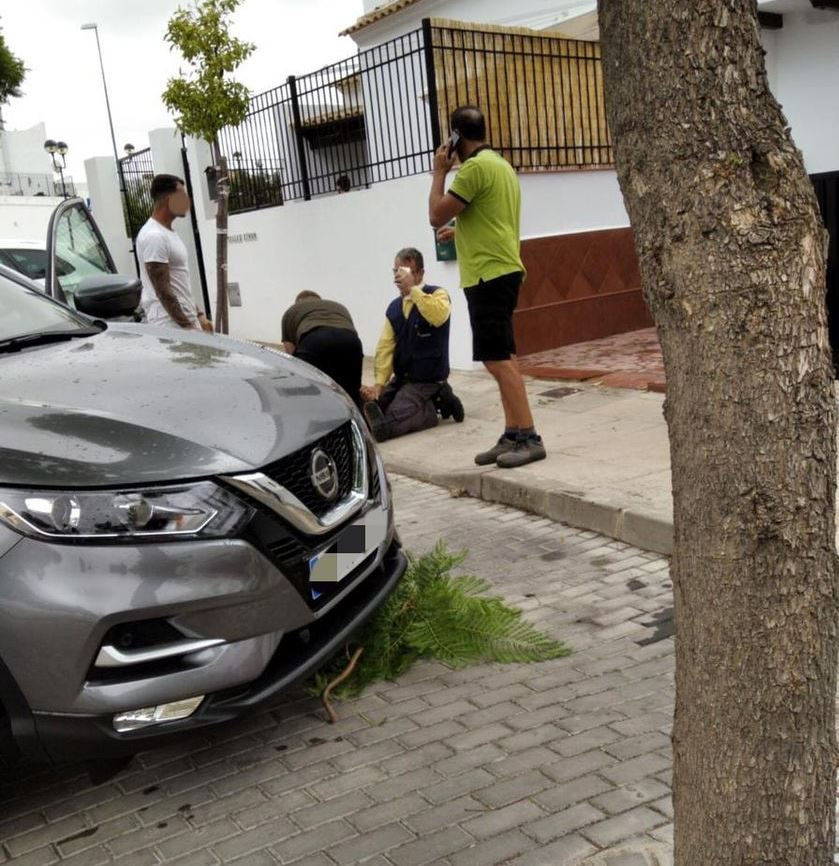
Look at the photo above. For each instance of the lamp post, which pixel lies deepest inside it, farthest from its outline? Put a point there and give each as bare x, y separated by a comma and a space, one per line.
56, 149
95, 29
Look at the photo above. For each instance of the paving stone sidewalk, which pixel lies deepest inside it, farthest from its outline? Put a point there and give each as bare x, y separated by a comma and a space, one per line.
529, 765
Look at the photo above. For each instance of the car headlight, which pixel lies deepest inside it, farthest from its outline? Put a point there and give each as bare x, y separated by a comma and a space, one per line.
201, 510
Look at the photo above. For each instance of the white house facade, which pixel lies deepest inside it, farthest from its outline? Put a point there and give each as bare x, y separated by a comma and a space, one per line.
372, 119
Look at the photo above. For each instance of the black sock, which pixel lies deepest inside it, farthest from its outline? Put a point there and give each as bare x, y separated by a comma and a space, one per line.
511, 432
527, 432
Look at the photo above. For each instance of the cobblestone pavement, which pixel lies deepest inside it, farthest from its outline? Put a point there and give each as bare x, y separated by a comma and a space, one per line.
548, 764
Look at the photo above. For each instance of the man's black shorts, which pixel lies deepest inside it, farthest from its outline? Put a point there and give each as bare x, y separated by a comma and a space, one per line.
491, 304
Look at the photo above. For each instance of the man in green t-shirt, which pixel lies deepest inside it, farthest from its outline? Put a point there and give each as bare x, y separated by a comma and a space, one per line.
322, 333
486, 199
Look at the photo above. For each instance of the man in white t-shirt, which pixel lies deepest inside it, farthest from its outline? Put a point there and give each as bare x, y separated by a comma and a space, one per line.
167, 296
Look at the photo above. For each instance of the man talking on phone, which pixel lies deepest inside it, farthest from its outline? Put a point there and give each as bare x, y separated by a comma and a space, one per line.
412, 356
486, 199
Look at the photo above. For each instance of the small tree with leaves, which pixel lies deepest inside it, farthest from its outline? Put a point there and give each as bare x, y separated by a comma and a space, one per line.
206, 99
12, 73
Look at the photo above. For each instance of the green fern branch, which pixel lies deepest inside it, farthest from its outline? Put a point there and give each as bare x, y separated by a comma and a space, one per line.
431, 614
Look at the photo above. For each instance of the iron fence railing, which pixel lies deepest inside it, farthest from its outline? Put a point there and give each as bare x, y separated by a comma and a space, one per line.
380, 114
349, 124
35, 185
136, 171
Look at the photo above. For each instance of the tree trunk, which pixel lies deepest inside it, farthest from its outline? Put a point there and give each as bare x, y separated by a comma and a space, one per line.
223, 191
732, 254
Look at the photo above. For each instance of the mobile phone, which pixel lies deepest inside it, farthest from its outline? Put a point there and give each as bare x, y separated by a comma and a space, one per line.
455, 138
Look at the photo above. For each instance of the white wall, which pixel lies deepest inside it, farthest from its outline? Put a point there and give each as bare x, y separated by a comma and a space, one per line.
106, 207
804, 59
22, 151
22, 155
25, 217
343, 247
565, 202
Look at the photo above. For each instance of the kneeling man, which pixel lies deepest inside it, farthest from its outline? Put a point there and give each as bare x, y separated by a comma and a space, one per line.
412, 356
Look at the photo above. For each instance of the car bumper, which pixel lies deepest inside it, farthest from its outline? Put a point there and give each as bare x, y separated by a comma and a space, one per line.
297, 654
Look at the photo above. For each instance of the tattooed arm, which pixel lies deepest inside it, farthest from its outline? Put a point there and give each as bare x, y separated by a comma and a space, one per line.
159, 275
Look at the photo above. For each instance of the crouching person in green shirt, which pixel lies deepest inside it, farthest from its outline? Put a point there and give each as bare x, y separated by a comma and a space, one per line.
322, 333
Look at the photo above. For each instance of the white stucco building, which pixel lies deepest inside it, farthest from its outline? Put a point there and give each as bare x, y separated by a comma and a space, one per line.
25, 167
370, 117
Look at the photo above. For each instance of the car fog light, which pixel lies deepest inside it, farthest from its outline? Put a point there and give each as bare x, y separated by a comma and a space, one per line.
134, 719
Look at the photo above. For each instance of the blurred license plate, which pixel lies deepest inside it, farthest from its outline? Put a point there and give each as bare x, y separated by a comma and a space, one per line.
349, 549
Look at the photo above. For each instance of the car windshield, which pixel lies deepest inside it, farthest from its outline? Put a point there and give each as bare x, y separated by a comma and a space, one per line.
24, 311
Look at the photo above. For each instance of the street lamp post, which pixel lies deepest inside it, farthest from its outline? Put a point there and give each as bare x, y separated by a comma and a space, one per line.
94, 27
56, 149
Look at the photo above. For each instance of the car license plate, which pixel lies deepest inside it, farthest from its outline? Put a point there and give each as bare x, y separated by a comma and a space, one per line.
348, 550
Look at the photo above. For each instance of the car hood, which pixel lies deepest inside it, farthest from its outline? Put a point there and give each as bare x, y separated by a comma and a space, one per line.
138, 404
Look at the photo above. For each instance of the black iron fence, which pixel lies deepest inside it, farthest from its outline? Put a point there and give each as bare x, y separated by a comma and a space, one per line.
345, 126
136, 172
36, 185
380, 114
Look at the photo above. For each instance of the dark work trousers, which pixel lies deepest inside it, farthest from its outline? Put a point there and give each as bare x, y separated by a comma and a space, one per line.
409, 406
338, 353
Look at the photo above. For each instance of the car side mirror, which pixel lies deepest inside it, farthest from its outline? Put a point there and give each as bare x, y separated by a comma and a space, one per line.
107, 296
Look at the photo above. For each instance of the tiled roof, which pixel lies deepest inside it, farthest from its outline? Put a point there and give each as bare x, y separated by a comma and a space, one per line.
377, 15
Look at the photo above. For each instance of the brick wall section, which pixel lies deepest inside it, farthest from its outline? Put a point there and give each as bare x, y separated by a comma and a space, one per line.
579, 287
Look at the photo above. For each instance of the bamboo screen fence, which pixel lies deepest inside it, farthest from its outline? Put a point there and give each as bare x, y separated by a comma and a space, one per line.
542, 93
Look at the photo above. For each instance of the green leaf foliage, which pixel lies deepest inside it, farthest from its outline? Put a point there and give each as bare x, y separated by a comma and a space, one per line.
12, 73
432, 614
206, 98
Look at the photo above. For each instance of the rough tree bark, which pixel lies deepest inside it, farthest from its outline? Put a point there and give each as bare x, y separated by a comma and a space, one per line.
732, 256
223, 190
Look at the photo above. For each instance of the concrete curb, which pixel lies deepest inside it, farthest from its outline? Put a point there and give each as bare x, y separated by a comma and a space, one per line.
647, 531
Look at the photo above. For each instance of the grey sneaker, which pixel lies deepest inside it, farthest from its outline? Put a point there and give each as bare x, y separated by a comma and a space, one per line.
502, 446
524, 451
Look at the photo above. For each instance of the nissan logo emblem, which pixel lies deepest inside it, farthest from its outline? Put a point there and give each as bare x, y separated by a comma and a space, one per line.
324, 474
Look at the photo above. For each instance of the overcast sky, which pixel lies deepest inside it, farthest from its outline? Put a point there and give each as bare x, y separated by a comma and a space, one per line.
63, 86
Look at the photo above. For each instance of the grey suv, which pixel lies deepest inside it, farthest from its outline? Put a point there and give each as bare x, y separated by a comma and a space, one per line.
188, 524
